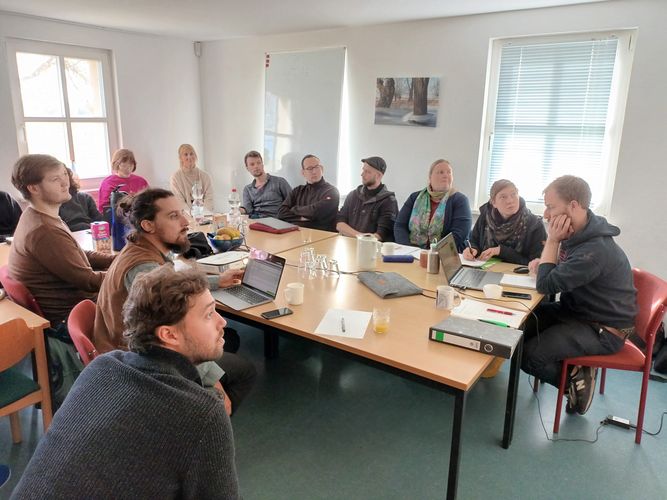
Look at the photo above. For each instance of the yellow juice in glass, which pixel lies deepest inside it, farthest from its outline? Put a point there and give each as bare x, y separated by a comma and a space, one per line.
381, 319
381, 326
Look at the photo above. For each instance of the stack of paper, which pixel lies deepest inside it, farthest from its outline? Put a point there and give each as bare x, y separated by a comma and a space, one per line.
479, 310
519, 281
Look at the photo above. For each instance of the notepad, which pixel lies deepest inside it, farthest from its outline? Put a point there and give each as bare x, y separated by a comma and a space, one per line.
344, 323
477, 309
522, 281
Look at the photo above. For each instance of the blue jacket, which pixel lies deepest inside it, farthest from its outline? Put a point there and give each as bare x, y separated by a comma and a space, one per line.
458, 220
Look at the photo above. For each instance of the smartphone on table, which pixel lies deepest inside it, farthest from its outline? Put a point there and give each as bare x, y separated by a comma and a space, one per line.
277, 313
517, 295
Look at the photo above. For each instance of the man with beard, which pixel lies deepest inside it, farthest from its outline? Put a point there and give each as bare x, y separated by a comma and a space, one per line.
139, 424
371, 208
44, 256
159, 229
264, 195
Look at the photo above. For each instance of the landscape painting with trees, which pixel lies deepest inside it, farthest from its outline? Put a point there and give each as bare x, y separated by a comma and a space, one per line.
407, 101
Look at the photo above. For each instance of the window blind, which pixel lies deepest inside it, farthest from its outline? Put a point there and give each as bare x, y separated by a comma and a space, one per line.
551, 114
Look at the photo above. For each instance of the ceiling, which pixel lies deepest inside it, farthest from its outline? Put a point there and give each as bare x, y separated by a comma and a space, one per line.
221, 19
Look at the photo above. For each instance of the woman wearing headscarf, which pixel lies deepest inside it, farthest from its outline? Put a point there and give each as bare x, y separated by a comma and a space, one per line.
435, 211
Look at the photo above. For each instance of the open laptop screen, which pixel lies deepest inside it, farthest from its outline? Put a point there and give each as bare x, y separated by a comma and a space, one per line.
449, 256
264, 274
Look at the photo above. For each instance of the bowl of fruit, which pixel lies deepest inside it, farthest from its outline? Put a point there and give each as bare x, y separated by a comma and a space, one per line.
225, 239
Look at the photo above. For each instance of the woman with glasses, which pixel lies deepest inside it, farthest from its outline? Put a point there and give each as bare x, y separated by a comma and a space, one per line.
506, 228
435, 211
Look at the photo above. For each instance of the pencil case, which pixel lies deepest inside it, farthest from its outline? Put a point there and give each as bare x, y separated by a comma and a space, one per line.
397, 258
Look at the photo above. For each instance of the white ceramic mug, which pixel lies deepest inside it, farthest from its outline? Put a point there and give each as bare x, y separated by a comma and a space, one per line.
294, 293
492, 291
447, 298
388, 248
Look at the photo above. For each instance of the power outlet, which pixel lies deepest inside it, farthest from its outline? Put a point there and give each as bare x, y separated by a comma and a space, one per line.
618, 421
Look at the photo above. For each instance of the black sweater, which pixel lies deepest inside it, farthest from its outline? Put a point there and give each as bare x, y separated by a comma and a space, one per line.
369, 211
135, 426
593, 276
10, 213
312, 205
532, 245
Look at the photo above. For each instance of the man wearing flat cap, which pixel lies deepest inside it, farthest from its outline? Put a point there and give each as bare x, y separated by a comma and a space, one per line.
371, 208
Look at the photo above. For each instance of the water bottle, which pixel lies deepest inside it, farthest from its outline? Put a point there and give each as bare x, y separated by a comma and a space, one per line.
234, 208
197, 209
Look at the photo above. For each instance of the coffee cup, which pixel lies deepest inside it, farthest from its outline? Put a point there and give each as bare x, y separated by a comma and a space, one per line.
294, 293
492, 291
447, 298
388, 248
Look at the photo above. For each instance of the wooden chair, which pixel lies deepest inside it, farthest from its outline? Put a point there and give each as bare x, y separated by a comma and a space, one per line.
18, 292
16, 390
651, 304
80, 325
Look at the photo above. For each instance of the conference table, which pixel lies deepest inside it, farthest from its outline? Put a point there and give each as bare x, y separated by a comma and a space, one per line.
406, 347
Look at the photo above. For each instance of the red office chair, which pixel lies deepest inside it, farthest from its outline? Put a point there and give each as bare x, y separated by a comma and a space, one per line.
652, 304
18, 292
80, 326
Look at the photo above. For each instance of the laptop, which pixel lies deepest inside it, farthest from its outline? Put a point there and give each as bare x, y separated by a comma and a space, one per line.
459, 276
259, 285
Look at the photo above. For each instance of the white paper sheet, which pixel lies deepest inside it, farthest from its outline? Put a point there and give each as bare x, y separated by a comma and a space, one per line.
406, 250
471, 263
477, 309
336, 320
519, 281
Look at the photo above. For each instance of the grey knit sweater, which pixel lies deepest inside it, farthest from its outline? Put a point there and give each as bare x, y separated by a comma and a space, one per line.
135, 426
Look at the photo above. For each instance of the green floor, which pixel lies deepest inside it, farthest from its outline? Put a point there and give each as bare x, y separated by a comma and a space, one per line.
322, 425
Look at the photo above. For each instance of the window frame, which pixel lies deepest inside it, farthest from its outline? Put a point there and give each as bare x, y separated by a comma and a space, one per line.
615, 112
63, 51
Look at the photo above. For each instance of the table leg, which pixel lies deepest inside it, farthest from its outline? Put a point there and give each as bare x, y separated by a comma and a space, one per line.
512, 389
455, 451
271, 343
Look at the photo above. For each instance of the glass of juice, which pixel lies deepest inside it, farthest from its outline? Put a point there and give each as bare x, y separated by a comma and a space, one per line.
381, 319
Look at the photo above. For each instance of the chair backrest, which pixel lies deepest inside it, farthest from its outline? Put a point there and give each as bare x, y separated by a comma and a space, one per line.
18, 292
80, 326
17, 340
651, 304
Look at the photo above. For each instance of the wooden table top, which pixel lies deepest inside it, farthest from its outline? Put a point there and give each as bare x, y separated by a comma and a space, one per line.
10, 310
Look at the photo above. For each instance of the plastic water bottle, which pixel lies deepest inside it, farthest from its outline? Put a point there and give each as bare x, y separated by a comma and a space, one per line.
234, 208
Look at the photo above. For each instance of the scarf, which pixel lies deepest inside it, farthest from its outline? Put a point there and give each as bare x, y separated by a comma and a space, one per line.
510, 232
423, 228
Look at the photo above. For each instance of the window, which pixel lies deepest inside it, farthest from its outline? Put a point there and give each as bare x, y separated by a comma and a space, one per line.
63, 104
555, 106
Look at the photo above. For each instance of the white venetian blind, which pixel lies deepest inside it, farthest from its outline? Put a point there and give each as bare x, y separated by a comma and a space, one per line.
551, 115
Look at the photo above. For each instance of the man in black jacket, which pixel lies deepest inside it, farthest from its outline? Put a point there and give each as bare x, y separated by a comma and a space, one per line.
314, 204
371, 208
10, 213
597, 306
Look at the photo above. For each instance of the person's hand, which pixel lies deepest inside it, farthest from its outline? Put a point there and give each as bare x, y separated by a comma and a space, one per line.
560, 228
467, 254
532, 267
490, 252
223, 395
230, 277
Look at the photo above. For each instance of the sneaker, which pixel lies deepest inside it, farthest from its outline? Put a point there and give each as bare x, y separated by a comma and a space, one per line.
583, 379
571, 395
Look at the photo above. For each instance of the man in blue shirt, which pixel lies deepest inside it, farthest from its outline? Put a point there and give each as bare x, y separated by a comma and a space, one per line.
264, 195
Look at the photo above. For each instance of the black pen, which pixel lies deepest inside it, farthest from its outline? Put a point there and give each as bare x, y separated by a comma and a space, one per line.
470, 248
342, 324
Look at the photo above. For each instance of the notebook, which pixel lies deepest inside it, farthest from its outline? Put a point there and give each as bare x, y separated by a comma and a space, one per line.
272, 225
259, 285
459, 276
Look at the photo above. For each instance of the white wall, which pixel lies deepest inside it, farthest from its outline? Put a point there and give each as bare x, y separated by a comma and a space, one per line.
157, 83
232, 74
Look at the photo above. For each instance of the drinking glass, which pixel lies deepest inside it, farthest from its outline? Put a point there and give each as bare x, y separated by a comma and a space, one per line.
381, 319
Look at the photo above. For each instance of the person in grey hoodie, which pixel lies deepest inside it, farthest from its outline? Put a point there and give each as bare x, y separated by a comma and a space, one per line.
371, 208
597, 306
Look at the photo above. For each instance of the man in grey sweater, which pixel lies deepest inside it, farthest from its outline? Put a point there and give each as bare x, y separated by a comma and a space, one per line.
139, 424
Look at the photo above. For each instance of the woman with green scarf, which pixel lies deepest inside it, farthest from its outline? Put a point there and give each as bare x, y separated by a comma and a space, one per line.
432, 213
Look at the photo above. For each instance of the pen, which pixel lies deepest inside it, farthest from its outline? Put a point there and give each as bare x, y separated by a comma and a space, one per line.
491, 322
470, 248
507, 313
342, 324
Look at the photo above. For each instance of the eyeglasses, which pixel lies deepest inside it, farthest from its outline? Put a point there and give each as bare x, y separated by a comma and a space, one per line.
314, 167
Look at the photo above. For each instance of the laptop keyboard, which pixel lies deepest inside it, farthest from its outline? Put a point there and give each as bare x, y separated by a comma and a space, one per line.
472, 278
245, 294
